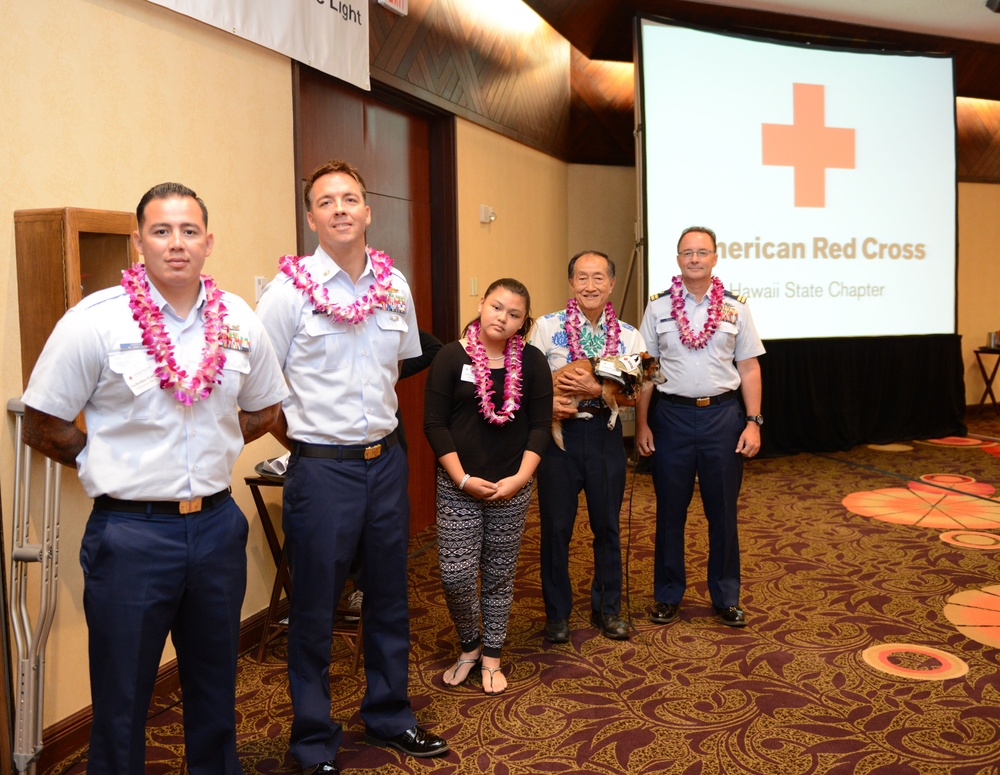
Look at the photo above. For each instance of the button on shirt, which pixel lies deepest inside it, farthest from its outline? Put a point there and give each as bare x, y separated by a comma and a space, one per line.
549, 336
709, 370
342, 376
143, 444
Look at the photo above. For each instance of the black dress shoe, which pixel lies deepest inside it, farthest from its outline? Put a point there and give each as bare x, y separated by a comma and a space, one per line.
732, 616
611, 625
323, 768
557, 630
415, 741
664, 613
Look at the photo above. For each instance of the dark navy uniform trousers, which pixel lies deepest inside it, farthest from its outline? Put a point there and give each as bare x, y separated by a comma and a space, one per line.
147, 575
334, 509
594, 461
700, 441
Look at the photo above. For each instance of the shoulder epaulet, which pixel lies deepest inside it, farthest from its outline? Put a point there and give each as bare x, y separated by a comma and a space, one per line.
655, 296
741, 298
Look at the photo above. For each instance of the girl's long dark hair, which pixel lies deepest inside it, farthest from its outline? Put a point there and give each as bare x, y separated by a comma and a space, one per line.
518, 289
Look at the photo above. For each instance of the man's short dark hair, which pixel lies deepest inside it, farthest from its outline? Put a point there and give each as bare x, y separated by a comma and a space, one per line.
702, 229
332, 166
582, 253
167, 191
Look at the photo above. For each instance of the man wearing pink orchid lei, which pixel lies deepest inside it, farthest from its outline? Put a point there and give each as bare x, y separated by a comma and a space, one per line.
173, 377
705, 421
341, 320
594, 459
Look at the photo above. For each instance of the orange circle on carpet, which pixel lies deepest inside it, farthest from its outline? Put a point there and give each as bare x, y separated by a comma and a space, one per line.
924, 505
952, 441
949, 666
971, 539
976, 614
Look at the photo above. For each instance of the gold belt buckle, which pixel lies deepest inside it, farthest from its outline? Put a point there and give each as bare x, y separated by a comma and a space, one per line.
373, 451
702, 401
190, 507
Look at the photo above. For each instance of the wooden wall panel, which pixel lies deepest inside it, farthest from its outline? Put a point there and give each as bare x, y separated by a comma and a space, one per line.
978, 140
454, 55
602, 112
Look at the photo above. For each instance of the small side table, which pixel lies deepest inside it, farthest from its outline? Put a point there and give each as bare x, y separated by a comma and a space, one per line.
350, 631
988, 378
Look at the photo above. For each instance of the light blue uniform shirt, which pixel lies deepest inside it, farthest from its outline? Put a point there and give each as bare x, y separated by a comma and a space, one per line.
710, 370
143, 444
342, 376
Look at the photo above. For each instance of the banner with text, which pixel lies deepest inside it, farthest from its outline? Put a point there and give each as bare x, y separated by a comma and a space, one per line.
329, 35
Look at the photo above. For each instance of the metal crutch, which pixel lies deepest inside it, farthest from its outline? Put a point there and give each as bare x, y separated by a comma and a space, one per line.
30, 637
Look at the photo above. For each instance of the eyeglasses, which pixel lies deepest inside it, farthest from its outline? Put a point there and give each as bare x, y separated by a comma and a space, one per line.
692, 253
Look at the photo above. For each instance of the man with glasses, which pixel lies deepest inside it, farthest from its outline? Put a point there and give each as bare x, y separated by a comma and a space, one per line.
708, 346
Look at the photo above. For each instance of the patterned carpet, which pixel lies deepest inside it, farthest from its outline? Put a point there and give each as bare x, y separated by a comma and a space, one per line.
854, 630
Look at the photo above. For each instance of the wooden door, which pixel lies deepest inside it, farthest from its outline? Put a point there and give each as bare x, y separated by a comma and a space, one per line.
392, 147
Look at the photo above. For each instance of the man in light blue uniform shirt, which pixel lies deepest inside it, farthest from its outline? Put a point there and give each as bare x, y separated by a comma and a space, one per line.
708, 348
340, 321
164, 550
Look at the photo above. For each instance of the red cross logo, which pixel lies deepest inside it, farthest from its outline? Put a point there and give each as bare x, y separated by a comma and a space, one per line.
808, 145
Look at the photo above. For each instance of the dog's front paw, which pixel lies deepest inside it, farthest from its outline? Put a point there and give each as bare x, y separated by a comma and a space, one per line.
583, 416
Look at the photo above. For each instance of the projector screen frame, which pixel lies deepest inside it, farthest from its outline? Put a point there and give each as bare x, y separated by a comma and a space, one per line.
947, 324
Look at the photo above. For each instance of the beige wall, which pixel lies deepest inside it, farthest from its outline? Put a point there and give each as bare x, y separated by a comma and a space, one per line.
602, 208
527, 241
102, 99
978, 278
547, 210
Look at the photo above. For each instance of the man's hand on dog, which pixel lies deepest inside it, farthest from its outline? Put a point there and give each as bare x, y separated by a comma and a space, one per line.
578, 382
572, 382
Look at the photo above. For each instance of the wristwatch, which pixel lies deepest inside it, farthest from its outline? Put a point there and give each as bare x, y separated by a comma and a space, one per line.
755, 418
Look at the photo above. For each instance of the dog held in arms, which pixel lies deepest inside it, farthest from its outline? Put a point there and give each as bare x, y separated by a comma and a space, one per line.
622, 378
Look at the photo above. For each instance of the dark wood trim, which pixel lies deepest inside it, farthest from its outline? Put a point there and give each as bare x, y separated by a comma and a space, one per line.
444, 228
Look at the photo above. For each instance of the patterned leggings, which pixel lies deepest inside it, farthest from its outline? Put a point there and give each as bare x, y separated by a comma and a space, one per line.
479, 537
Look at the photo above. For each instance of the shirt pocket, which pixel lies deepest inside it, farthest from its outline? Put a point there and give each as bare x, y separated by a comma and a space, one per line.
226, 394
666, 330
134, 368
389, 337
329, 340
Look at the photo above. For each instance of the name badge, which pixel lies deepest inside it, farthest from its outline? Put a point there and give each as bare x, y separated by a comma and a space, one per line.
467, 375
142, 380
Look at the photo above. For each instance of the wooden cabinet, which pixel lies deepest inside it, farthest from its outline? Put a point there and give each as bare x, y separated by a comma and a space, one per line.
64, 254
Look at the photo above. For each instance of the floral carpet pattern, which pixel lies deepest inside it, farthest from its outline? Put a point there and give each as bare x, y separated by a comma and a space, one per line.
791, 694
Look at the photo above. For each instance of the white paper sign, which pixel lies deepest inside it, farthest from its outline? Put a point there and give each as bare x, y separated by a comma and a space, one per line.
329, 35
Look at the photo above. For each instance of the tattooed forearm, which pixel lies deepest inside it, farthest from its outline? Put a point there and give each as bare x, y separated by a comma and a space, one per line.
54, 437
256, 424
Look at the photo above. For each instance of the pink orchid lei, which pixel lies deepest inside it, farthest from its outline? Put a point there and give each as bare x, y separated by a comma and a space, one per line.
355, 313
611, 339
688, 337
484, 383
157, 340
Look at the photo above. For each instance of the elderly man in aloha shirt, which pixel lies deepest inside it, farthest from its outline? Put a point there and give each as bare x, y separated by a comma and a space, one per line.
594, 459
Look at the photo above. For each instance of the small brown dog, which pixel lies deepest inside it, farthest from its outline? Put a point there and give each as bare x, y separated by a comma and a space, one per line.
621, 380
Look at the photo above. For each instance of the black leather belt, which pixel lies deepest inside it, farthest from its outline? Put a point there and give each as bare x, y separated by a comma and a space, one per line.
710, 401
192, 506
347, 451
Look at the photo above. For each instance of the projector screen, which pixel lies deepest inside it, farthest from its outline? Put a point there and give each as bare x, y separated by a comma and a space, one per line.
829, 177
